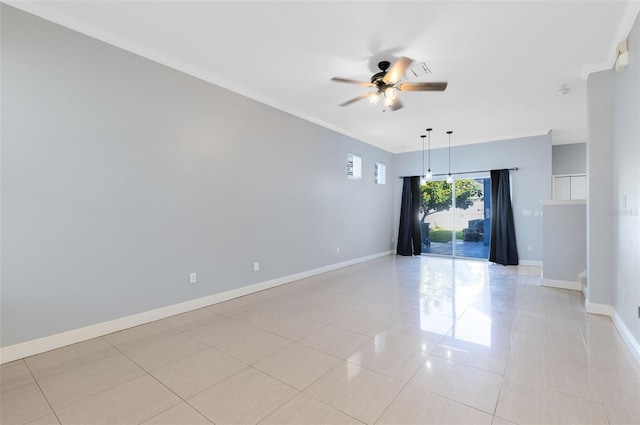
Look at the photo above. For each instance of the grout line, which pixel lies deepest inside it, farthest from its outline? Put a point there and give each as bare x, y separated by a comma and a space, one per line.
235, 374
42, 392
403, 387
323, 403
169, 389
452, 399
495, 408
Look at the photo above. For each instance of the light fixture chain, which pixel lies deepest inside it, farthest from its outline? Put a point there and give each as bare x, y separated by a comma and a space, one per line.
429, 150
423, 174
449, 177
429, 135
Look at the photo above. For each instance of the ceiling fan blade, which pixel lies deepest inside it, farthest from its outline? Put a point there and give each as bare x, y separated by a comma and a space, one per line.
346, 80
396, 71
357, 98
396, 105
422, 86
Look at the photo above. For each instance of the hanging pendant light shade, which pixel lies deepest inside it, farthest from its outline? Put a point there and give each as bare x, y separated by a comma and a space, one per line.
449, 176
429, 174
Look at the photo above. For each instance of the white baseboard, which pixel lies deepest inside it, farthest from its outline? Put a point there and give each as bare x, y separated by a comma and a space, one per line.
602, 309
530, 263
627, 336
40, 345
563, 284
582, 277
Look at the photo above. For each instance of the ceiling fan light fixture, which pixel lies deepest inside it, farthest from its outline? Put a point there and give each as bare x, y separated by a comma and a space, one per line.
390, 96
373, 99
389, 101
390, 93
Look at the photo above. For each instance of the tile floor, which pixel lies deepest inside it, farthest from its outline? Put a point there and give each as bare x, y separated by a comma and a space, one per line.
465, 249
393, 341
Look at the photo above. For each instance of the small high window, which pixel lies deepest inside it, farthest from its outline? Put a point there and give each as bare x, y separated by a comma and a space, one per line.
354, 166
380, 173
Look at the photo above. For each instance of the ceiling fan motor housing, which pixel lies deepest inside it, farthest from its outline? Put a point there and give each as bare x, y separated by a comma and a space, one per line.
384, 65
377, 77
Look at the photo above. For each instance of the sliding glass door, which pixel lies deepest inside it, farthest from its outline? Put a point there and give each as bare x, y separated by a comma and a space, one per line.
454, 217
436, 220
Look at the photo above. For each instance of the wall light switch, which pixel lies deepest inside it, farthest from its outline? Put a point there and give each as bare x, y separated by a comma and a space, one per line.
193, 278
256, 266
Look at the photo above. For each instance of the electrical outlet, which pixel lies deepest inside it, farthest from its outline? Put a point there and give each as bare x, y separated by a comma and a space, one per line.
193, 278
529, 247
337, 250
256, 266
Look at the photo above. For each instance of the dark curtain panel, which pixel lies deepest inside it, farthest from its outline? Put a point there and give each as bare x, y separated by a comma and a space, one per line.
503, 248
409, 238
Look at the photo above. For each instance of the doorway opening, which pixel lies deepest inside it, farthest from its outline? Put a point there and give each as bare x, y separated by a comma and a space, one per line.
455, 218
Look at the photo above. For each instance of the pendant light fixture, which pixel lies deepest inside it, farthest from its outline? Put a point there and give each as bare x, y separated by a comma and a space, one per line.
449, 177
429, 174
423, 176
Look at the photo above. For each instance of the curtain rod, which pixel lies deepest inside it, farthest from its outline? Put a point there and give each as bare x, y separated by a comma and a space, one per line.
463, 172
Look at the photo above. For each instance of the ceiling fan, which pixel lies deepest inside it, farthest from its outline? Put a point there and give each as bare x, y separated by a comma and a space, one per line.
387, 84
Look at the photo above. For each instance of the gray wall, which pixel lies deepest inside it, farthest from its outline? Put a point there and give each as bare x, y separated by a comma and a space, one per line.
565, 241
121, 176
613, 206
626, 184
599, 198
531, 183
569, 159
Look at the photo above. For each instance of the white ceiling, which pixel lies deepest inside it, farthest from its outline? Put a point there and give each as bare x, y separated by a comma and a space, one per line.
503, 60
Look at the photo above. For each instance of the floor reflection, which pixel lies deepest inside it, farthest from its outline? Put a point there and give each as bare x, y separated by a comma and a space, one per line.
448, 289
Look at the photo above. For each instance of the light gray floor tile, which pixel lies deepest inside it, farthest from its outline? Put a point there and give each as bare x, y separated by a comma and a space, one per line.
390, 341
69, 357
245, 398
14, 375
198, 372
23, 404
133, 402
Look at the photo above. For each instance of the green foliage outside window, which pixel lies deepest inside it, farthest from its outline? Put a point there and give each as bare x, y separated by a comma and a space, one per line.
436, 196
